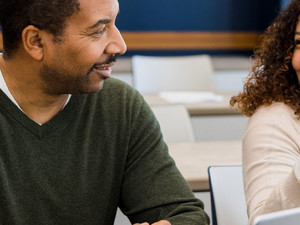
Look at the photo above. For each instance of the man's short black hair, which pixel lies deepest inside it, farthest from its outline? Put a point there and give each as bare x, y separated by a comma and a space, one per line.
48, 15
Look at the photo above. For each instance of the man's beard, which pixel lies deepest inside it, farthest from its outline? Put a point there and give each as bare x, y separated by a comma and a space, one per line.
64, 81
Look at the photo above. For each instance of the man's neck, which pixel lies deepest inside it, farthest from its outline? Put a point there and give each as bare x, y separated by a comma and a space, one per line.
22, 80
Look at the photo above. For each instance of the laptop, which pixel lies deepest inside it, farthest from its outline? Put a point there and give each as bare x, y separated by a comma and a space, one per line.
285, 217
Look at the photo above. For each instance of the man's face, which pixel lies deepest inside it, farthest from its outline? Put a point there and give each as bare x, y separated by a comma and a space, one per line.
81, 62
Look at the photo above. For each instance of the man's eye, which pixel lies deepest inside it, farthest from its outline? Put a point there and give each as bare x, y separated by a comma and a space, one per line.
297, 42
100, 31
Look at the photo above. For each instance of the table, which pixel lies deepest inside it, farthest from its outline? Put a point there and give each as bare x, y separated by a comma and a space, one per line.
203, 108
210, 120
194, 158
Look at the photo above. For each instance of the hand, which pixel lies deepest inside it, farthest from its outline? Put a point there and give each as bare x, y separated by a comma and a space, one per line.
162, 222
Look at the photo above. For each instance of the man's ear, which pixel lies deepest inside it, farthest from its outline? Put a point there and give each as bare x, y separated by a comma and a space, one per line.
32, 42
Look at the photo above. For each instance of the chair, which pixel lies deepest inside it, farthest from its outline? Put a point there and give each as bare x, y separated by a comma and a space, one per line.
176, 73
227, 195
175, 123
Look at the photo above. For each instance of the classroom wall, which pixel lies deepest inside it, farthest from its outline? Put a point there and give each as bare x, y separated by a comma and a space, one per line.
183, 27
196, 15
214, 25
284, 3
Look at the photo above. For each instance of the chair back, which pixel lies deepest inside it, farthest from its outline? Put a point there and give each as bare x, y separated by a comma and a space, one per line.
176, 73
227, 195
175, 123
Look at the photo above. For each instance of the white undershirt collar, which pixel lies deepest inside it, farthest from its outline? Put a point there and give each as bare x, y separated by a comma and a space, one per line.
6, 91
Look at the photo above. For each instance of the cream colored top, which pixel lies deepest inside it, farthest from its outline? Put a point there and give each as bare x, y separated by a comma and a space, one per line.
271, 162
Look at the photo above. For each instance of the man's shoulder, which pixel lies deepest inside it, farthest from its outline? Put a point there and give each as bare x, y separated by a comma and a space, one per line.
116, 83
115, 91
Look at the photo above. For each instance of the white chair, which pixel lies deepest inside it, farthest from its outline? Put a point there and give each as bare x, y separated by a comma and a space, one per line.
175, 73
175, 123
227, 195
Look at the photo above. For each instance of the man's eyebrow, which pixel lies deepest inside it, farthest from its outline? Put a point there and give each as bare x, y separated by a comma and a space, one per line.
297, 33
100, 22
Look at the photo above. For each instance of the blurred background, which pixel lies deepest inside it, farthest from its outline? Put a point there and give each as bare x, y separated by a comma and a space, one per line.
226, 30
217, 27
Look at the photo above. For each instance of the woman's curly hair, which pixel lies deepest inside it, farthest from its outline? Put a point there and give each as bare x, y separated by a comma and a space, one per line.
272, 77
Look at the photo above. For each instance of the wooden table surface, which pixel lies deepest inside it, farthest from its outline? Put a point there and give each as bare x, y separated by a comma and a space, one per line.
194, 158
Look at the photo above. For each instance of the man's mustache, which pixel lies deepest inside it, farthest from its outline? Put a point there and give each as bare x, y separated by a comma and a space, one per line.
112, 58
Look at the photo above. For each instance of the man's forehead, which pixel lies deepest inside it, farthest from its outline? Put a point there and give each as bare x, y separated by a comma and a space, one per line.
92, 11
103, 6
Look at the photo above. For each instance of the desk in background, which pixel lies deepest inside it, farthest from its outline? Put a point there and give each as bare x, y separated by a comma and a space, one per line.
194, 158
211, 121
196, 109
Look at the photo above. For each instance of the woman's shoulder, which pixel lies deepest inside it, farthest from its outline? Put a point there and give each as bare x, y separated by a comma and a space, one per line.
274, 123
276, 113
275, 109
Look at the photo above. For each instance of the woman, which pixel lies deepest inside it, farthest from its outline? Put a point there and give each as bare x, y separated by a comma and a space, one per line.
271, 97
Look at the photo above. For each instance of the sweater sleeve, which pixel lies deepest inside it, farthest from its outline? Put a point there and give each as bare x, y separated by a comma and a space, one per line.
270, 160
153, 189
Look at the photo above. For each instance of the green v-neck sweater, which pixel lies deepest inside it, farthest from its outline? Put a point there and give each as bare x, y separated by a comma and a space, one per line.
101, 151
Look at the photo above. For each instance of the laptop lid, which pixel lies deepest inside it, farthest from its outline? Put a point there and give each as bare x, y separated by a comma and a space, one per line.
285, 217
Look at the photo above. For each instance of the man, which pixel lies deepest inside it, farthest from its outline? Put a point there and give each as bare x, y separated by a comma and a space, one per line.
74, 144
